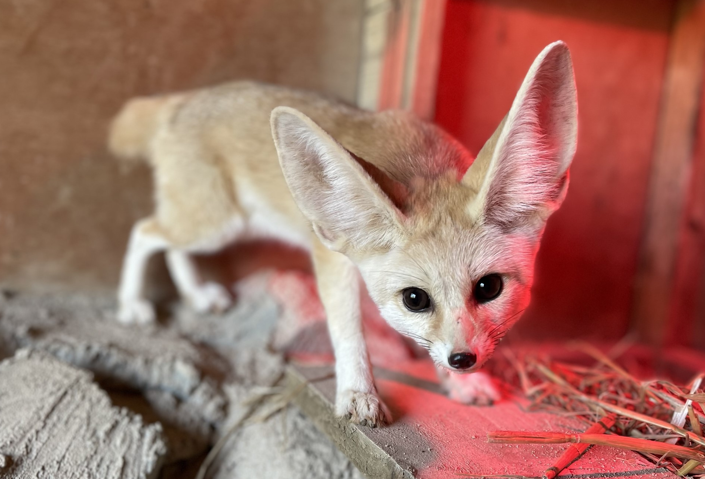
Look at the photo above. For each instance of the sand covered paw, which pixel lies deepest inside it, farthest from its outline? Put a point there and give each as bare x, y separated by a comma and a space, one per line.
210, 297
477, 388
366, 409
137, 311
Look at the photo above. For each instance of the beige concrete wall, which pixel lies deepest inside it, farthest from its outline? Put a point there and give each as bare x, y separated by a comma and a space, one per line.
65, 69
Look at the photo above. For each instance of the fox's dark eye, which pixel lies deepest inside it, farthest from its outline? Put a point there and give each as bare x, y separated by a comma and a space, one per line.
416, 300
488, 288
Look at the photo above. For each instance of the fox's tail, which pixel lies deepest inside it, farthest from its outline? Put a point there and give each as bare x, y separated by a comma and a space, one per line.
134, 127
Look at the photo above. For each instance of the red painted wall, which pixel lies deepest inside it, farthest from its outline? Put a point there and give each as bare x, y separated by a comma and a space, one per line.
686, 320
588, 257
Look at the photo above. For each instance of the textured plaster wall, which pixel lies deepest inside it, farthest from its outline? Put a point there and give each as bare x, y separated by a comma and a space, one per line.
66, 207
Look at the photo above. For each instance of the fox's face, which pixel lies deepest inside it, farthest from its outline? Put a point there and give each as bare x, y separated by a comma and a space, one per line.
452, 283
450, 261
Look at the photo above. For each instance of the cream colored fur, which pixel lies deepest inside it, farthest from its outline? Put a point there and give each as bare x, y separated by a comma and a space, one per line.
382, 197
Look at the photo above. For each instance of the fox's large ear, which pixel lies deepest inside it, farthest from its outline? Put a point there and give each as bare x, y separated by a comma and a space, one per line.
347, 208
521, 174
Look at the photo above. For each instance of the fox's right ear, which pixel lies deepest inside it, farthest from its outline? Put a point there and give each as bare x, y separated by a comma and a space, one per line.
345, 205
521, 174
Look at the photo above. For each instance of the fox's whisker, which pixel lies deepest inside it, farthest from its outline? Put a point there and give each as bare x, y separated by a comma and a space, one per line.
498, 330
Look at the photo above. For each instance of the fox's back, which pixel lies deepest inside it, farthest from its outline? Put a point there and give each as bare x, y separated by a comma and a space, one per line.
214, 156
234, 117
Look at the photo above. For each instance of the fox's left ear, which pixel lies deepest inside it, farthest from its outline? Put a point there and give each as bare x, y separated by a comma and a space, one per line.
347, 208
521, 174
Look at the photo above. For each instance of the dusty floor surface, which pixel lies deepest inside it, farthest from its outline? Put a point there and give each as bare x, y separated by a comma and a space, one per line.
185, 380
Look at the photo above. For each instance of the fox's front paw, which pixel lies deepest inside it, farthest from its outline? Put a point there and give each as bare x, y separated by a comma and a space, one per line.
366, 409
210, 297
136, 311
476, 388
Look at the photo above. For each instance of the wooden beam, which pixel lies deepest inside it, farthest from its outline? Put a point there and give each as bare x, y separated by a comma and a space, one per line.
426, 59
375, 26
670, 171
394, 73
433, 437
687, 307
401, 55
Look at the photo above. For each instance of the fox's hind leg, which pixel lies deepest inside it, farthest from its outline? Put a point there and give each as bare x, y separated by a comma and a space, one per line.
145, 240
202, 297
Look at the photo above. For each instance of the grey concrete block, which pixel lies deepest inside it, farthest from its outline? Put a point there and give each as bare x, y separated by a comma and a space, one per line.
287, 445
178, 378
57, 423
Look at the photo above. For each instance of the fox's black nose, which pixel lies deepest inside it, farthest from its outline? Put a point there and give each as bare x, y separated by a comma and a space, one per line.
462, 360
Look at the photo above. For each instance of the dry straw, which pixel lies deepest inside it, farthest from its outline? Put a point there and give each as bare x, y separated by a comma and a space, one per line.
657, 419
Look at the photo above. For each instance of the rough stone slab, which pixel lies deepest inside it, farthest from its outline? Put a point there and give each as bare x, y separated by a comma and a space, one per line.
74, 330
287, 445
57, 423
178, 378
228, 351
433, 437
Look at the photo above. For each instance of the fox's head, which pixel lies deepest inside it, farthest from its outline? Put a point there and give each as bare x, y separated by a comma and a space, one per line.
448, 258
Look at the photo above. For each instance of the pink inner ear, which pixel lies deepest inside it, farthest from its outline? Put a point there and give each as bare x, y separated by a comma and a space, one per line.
395, 191
547, 127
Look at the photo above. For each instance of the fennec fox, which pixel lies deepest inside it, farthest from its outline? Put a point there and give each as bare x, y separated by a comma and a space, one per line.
444, 245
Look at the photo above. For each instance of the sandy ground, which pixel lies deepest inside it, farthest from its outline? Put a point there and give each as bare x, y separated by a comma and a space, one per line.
187, 378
